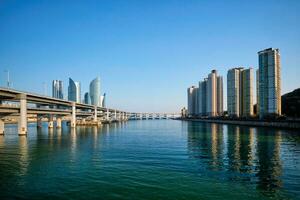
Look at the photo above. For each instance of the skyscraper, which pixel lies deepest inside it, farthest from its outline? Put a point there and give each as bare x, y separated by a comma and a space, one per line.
192, 93
240, 92
87, 98
103, 100
214, 91
202, 97
74, 93
95, 92
269, 82
57, 89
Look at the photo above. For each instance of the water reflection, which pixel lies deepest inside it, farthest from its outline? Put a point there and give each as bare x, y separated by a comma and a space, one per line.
240, 153
23, 155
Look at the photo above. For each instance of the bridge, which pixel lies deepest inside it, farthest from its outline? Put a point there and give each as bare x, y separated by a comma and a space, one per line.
19, 106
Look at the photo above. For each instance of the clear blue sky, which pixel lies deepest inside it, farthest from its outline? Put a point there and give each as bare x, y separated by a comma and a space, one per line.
145, 52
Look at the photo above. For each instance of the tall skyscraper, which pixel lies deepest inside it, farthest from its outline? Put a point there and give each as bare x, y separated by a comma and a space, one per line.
192, 93
95, 92
214, 98
257, 91
202, 95
269, 82
240, 92
220, 95
57, 89
74, 92
103, 100
87, 98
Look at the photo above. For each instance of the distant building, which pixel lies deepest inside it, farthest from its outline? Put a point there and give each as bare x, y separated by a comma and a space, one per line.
202, 95
192, 93
57, 89
214, 94
103, 100
183, 112
87, 98
269, 82
74, 91
257, 92
95, 92
240, 92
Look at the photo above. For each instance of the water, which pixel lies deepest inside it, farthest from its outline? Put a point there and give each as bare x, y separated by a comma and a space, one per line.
154, 159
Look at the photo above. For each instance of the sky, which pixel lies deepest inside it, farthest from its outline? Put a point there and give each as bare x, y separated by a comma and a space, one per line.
146, 52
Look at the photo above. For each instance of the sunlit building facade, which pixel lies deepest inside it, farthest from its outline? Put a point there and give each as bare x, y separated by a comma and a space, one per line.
74, 91
269, 82
57, 89
95, 92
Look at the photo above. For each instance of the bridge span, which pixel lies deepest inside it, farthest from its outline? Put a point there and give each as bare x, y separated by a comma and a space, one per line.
19, 106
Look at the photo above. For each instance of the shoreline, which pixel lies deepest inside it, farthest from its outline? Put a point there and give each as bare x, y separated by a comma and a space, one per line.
274, 124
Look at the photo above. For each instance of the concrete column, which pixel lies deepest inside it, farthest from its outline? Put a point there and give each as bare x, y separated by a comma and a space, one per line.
107, 114
1, 127
95, 113
22, 124
73, 117
50, 121
39, 121
58, 122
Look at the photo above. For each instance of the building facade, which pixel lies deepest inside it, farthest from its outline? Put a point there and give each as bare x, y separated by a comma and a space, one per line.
57, 89
95, 92
202, 95
192, 94
240, 92
74, 91
269, 82
214, 95
87, 98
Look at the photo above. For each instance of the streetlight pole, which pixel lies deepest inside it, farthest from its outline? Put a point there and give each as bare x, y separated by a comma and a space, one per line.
8, 82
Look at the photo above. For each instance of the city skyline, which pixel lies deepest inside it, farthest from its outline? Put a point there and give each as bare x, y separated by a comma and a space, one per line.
190, 42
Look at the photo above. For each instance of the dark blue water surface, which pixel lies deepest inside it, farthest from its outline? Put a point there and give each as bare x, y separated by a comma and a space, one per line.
153, 159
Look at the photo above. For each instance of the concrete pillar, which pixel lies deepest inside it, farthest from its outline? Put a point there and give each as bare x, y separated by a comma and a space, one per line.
73, 117
95, 113
115, 114
39, 121
22, 124
107, 114
58, 122
1, 127
50, 121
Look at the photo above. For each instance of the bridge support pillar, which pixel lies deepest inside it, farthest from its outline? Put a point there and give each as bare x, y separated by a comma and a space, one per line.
22, 124
73, 117
107, 114
39, 121
1, 127
50, 121
95, 113
58, 122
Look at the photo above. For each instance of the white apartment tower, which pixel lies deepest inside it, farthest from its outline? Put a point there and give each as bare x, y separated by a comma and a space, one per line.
214, 97
240, 92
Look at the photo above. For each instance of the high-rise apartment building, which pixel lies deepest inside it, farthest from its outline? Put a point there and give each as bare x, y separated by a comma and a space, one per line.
269, 82
57, 89
192, 94
214, 94
74, 92
202, 97
240, 92
95, 92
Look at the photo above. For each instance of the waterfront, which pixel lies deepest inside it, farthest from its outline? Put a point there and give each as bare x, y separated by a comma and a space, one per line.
150, 159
